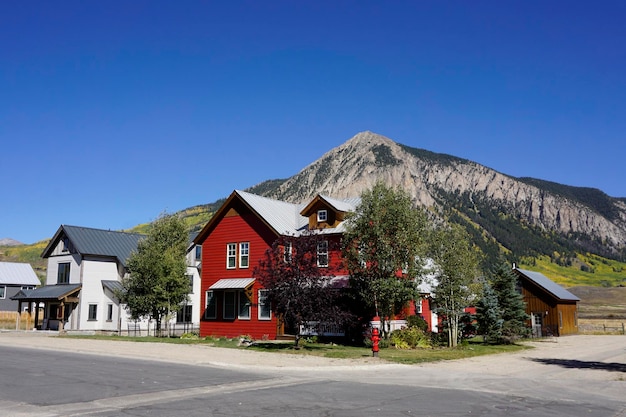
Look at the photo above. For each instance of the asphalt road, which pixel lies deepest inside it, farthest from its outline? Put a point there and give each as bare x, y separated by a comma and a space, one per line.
36, 382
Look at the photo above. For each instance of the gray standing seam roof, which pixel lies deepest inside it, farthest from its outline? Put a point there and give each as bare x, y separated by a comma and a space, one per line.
15, 273
285, 218
100, 242
47, 292
549, 285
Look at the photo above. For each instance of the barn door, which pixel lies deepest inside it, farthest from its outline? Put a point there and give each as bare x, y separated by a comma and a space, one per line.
537, 323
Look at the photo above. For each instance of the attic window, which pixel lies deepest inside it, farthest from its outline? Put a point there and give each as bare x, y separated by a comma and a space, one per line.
322, 215
66, 244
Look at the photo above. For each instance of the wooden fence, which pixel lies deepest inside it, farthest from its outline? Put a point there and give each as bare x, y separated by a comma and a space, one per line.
12, 320
600, 326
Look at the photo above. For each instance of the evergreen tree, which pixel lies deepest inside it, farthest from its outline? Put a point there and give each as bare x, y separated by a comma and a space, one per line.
489, 315
511, 302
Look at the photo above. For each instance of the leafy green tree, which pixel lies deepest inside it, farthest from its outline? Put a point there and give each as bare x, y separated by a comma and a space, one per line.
456, 263
302, 293
489, 315
511, 302
156, 284
383, 247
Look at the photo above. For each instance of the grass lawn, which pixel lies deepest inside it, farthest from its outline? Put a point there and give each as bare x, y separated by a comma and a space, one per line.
409, 356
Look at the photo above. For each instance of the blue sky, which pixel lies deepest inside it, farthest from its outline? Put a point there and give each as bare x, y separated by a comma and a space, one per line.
114, 112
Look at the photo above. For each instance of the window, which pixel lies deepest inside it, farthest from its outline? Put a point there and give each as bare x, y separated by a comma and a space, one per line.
210, 311
322, 254
28, 287
190, 278
230, 304
3, 291
93, 312
231, 255
66, 244
288, 251
244, 254
109, 312
244, 306
265, 311
184, 314
418, 306
322, 215
198, 253
63, 275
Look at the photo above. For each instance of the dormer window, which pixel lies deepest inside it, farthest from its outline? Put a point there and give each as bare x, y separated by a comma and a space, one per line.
322, 215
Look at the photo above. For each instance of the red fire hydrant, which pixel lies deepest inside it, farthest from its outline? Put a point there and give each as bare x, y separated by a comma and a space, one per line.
375, 323
375, 340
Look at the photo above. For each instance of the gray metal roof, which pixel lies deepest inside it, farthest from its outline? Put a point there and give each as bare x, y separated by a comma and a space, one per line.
14, 273
47, 292
549, 285
112, 285
346, 205
285, 218
99, 242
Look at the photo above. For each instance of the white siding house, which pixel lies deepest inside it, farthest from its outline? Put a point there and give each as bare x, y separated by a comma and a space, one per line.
85, 270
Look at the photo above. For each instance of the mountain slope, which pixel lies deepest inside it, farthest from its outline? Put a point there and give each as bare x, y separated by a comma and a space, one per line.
504, 211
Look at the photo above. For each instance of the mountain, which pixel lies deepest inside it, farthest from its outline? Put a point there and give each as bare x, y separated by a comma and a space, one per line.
515, 216
9, 242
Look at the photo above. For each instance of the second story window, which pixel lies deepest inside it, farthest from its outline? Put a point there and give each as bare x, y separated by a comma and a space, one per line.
63, 275
231, 255
244, 254
322, 254
322, 215
198, 253
288, 252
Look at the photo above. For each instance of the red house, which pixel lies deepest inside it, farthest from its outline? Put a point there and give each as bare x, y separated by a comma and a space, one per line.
233, 242
237, 237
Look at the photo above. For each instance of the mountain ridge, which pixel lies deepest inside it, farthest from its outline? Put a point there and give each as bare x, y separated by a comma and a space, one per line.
575, 218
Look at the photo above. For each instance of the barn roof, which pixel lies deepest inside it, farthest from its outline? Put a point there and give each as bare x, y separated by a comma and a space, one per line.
15, 273
548, 285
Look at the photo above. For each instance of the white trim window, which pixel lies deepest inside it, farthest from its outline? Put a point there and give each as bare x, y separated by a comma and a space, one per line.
210, 311
63, 273
231, 255
244, 254
93, 312
109, 312
3, 291
322, 215
322, 253
264, 310
244, 306
230, 305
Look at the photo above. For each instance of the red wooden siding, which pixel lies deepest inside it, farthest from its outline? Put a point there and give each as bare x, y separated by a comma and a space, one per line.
238, 225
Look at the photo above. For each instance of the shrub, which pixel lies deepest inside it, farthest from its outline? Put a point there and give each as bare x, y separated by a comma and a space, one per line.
410, 338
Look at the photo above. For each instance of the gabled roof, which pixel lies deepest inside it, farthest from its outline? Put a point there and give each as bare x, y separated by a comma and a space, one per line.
281, 217
347, 205
550, 286
14, 273
48, 292
96, 242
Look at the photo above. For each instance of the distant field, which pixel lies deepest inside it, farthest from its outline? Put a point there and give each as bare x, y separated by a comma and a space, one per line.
601, 303
586, 270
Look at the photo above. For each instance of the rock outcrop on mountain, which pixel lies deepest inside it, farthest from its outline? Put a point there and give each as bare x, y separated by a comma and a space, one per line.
587, 217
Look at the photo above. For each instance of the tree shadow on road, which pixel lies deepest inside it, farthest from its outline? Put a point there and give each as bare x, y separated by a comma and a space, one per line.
574, 363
